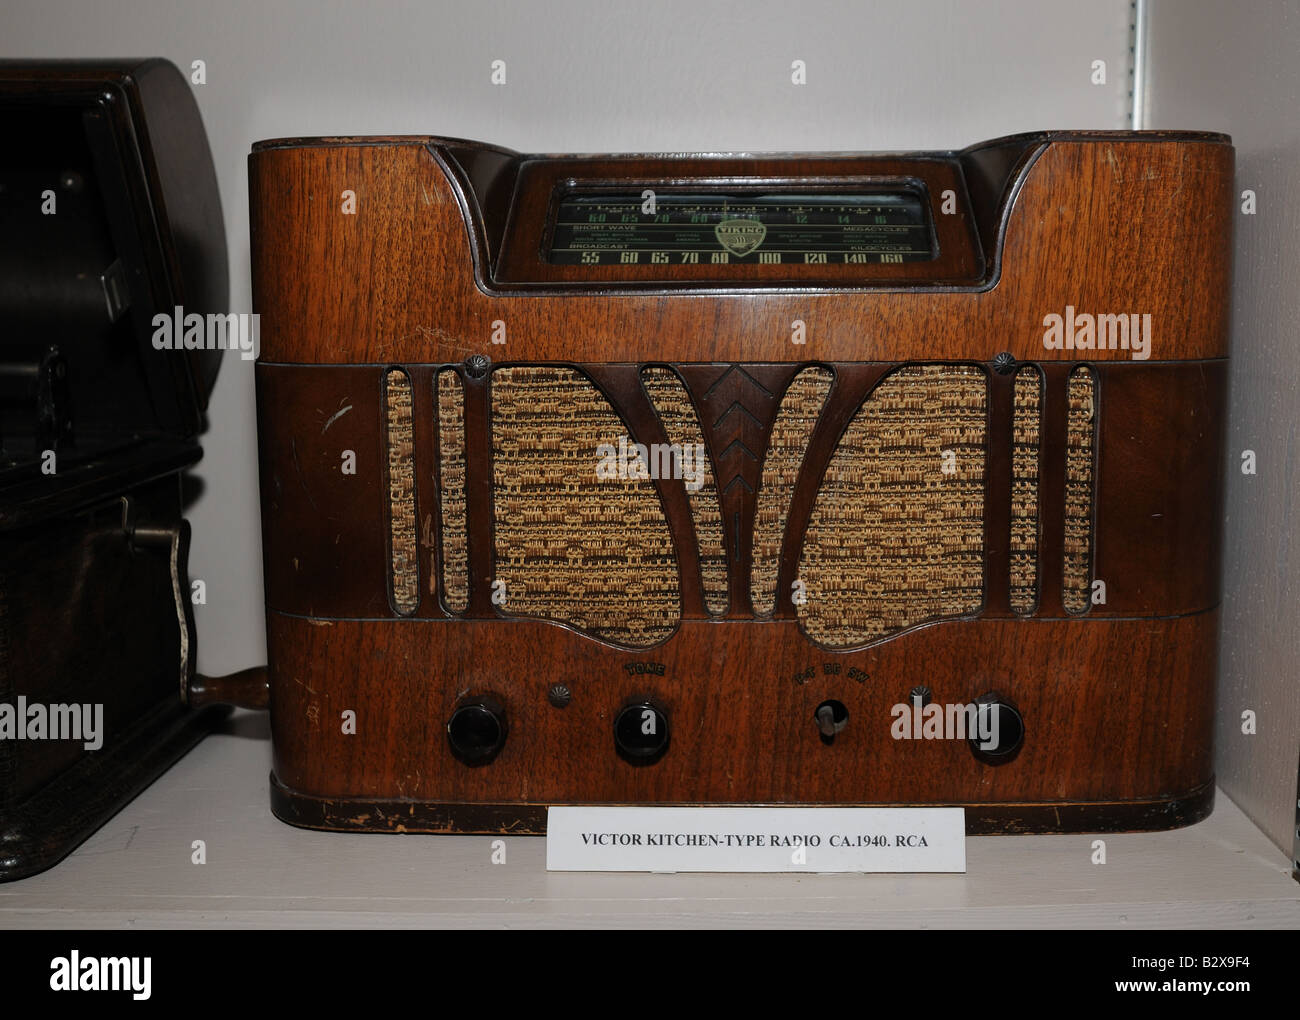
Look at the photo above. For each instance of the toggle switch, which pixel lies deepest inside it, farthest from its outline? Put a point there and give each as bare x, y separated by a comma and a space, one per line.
831, 717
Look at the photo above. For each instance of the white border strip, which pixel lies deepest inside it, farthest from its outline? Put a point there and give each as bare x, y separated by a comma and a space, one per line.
1141, 14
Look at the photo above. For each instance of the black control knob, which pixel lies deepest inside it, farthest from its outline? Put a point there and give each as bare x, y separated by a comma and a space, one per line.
476, 731
999, 730
641, 733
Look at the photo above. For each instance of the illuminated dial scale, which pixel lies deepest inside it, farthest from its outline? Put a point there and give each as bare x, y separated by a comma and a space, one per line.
669, 228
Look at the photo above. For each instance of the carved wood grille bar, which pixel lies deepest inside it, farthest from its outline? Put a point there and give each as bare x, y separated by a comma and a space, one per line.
687, 452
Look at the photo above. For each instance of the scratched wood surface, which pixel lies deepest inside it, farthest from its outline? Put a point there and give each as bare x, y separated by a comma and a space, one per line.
1106, 719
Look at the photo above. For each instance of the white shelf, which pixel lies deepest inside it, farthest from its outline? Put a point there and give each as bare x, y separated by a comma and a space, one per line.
136, 872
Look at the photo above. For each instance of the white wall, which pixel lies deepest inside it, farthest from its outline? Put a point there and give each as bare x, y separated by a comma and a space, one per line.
1236, 68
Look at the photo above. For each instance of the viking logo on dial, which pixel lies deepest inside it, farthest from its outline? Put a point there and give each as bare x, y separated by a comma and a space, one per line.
740, 237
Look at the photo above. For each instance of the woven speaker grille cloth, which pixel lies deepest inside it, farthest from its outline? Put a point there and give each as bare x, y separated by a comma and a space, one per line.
1077, 572
683, 428
800, 408
451, 489
401, 495
894, 540
572, 546
1026, 423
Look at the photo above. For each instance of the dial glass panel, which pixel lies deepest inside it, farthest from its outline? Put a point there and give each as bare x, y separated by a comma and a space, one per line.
652, 227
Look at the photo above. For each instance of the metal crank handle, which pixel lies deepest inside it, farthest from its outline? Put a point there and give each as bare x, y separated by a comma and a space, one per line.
246, 689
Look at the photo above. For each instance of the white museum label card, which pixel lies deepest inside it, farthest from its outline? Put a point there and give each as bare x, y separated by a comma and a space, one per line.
755, 839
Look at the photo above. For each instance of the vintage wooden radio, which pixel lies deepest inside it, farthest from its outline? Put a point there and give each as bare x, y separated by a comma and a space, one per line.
742, 479
109, 216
